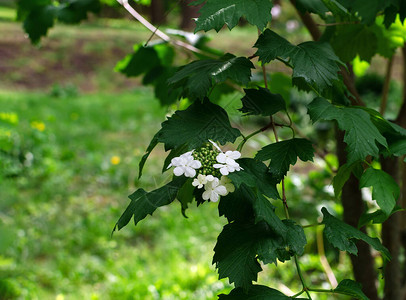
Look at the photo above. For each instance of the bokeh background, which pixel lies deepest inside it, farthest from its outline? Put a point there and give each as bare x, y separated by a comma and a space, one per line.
72, 131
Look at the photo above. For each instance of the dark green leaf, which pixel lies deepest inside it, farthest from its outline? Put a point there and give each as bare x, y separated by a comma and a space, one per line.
135, 64
193, 127
261, 102
361, 134
295, 237
343, 174
74, 11
342, 236
385, 190
196, 125
235, 254
377, 217
313, 63
185, 195
38, 21
366, 10
255, 292
237, 206
144, 203
350, 288
285, 153
312, 6
255, 174
197, 78
215, 14
354, 39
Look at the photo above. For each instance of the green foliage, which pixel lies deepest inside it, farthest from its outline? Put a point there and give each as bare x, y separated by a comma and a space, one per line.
198, 77
342, 236
350, 288
285, 153
261, 102
385, 190
361, 135
255, 292
315, 56
215, 14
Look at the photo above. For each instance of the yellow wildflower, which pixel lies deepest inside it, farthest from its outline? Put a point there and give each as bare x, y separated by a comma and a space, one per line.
115, 160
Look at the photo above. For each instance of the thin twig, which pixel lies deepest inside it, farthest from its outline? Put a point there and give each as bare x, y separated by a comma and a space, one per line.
323, 259
335, 24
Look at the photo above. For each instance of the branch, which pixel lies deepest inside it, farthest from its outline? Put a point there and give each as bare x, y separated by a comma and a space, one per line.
158, 32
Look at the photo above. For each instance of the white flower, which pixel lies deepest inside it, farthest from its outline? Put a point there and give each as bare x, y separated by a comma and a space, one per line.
213, 190
227, 163
226, 182
200, 181
216, 146
185, 164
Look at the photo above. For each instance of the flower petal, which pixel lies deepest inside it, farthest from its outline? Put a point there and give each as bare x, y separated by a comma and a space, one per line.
178, 171
215, 146
214, 197
206, 195
221, 158
190, 172
221, 190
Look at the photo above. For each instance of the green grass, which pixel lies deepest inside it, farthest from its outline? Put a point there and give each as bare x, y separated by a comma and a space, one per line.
57, 214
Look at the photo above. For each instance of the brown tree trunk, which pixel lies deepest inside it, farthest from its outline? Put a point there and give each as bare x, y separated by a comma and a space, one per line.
188, 13
157, 11
351, 198
391, 240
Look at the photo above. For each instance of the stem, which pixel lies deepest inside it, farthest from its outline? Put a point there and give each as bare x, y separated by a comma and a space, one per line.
298, 294
312, 225
299, 272
246, 138
322, 291
323, 259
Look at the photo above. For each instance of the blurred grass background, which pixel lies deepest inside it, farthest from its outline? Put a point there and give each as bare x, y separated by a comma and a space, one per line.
74, 132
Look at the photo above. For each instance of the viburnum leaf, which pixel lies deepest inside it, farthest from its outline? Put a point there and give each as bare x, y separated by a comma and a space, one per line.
342, 236
38, 21
185, 195
312, 6
255, 292
343, 174
366, 10
193, 127
385, 190
255, 174
145, 203
351, 288
361, 135
376, 217
237, 206
198, 77
295, 237
235, 254
215, 14
313, 63
354, 39
285, 153
74, 11
261, 102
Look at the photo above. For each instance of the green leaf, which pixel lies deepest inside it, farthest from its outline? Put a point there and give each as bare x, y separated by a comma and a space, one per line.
237, 206
354, 39
193, 127
385, 190
144, 158
74, 11
350, 288
215, 14
295, 237
265, 211
185, 195
255, 174
397, 148
342, 236
377, 217
361, 134
255, 292
134, 64
261, 102
144, 203
38, 21
198, 77
235, 254
366, 10
343, 174
313, 63
312, 6
285, 153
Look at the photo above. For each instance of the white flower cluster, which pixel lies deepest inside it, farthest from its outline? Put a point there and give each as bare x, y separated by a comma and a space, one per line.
211, 168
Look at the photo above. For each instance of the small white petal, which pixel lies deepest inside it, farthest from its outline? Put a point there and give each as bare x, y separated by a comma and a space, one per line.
214, 197
178, 171
218, 166
221, 158
215, 145
221, 190
195, 164
224, 171
210, 177
206, 195
190, 172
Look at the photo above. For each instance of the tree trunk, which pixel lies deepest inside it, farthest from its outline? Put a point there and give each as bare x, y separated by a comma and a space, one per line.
157, 11
188, 13
351, 198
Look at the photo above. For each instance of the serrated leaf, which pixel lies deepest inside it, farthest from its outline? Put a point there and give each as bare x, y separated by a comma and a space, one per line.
397, 148
312, 6
145, 203
385, 190
361, 135
295, 237
342, 236
215, 14
255, 174
313, 63
237, 206
261, 102
235, 254
135, 64
354, 39
255, 292
193, 127
285, 153
198, 77
366, 10
74, 11
351, 288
